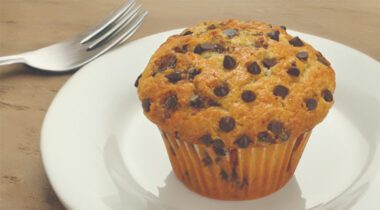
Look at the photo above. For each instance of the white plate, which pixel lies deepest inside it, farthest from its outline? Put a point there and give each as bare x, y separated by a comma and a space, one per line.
100, 152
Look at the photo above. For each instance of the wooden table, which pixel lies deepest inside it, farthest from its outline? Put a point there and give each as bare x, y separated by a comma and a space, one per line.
25, 95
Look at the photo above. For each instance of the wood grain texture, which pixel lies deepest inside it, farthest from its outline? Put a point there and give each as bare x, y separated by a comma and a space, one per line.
28, 24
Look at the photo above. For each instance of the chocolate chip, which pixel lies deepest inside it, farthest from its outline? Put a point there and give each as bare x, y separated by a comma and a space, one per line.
218, 48
218, 146
311, 104
281, 91
230, 32
182, 49
200, 48
275, 35
146, 105
327, 95
293, 71
224, 175
248, 96
296, 41
207, 160
227, 124
211, 27
220, 152
221, 91
187, 33
206, 46
276, 127
196, 102
322, 59
243, 141
206, 139
303, 55
166, 61
137, 80
171, 102
192, 73
265, 137
283, 27
229, 62
269, 62
174, 77
254, 68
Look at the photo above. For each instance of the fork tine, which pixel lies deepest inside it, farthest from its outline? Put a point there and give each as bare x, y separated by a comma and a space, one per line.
126, 37
125, 20
134, 30
121, 37
115, 16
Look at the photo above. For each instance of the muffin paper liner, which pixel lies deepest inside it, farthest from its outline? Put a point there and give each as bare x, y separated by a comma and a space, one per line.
240, 174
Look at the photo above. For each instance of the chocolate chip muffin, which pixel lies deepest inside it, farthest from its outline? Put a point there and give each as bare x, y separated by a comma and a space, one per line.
236, 102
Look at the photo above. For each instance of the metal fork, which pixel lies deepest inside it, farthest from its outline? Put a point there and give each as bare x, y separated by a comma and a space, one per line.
76, 52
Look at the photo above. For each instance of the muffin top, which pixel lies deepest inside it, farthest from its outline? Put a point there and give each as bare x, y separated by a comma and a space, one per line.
243, 83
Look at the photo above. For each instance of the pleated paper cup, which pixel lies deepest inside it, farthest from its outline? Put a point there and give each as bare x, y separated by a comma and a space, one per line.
241, 174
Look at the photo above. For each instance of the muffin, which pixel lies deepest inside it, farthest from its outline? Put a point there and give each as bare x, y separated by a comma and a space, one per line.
236, 102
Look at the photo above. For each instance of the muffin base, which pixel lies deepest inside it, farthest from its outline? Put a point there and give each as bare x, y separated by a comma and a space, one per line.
241, 174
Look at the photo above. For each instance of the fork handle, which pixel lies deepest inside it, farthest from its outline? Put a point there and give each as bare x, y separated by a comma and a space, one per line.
5, 60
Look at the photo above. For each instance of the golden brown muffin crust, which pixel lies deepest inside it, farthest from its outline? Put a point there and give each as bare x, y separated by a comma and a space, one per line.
246, 83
